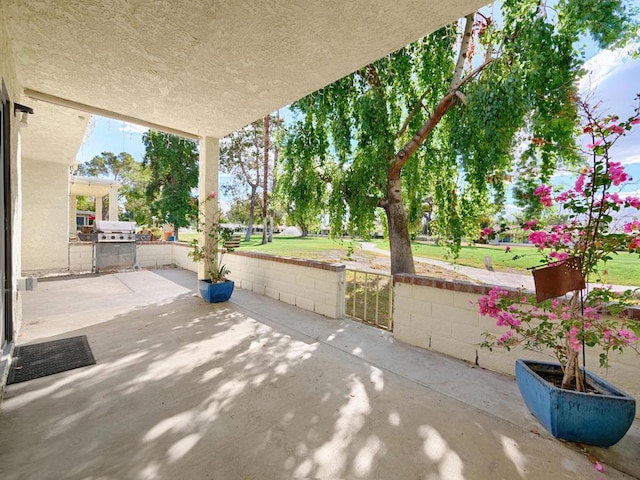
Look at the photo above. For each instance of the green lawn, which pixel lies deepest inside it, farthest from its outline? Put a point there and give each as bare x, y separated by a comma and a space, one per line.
623, 269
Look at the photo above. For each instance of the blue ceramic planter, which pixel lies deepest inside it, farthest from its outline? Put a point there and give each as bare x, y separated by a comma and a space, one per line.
215, 292
595, 419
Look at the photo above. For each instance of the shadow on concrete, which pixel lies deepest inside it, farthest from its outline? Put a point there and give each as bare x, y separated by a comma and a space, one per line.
184, 389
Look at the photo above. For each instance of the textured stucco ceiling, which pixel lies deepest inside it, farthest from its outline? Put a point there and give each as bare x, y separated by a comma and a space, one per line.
53, 133
207, 67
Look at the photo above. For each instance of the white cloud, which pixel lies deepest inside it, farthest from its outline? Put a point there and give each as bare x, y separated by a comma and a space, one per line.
631, 159
605, 65
132, 128
630, 194
612, 84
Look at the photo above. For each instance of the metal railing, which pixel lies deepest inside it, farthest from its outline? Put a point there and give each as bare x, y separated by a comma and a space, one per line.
369, 298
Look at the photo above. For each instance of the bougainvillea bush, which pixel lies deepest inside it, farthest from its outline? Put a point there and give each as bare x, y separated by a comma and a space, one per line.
596, 230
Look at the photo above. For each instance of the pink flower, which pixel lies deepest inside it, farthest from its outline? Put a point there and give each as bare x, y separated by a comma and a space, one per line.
487, 231
595, 144
579, 186
630, 336
488, 303
632, 201
631, 226
530, 224
591, 313
538, 238
635, 121
564, 196
559, 255
504, 338
506, 319
614, 197
544, 192
617, 173
212, 195
507, 249
574, 343
616, 129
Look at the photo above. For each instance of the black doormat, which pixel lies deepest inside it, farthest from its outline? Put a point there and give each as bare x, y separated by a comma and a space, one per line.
47, 358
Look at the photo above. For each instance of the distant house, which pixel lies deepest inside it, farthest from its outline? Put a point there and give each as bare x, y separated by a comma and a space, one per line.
84, 218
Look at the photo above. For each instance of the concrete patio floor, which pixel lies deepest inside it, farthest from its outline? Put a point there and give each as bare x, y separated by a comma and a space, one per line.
255, 388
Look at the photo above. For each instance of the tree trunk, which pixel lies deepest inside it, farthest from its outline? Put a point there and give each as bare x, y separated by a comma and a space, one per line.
399, 241
304, 230
271, 220
252, 207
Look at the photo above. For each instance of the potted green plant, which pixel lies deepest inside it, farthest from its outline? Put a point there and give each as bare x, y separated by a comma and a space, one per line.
578, 405
216, 287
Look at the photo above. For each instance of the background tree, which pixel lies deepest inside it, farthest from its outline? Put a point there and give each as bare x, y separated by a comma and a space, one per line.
133, 178
173, 166
238, 211
134, 191
241, 156
440, 117
303, 179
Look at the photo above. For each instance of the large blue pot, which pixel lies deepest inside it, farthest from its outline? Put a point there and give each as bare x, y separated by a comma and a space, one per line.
215, 292
596, 419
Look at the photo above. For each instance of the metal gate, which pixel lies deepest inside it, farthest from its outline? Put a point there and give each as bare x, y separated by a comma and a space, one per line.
369, 298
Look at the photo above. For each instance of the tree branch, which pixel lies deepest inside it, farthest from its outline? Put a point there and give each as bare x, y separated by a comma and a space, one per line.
418, 139
476, 72
411, 114
462, 54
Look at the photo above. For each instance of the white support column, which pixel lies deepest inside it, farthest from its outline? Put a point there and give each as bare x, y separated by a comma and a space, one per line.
113, 204
73, 202
208, 182
98, 208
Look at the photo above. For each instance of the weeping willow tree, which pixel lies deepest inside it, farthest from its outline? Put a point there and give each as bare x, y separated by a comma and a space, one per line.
440, 118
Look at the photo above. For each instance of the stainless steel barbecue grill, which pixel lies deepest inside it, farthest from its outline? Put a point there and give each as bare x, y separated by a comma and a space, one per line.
109, 231
115, 246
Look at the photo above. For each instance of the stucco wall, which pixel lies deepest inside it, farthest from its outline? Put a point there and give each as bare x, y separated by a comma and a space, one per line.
310, 285
315, 286
154, 254
443, 316
81, 257
180, 256
45, 198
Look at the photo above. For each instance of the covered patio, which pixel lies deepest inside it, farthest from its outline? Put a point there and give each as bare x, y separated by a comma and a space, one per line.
255, 388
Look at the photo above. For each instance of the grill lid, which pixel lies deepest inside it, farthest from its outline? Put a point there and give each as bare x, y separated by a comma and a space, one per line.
107, 226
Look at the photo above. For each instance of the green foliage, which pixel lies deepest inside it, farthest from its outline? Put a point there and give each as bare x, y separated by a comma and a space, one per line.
301, 181
133, 178
173, 165
133, 190
108, 165
84, 203
351, 131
